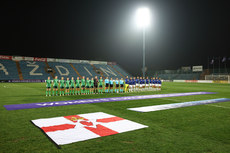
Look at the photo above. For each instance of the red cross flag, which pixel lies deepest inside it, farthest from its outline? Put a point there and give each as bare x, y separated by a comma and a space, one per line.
74, 128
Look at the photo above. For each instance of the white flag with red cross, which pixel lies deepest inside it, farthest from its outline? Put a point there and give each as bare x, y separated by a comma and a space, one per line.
74, 128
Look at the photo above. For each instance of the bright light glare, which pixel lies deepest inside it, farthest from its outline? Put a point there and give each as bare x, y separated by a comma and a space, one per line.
142, 17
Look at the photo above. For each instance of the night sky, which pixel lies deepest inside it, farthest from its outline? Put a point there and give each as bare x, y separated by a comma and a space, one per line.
183, 32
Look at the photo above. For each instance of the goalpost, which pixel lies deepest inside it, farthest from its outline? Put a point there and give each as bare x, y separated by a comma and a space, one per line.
218, 78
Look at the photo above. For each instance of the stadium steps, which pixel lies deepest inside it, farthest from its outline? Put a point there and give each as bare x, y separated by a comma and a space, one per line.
51, 73
117, 71
95, 70
19, 70
75, 70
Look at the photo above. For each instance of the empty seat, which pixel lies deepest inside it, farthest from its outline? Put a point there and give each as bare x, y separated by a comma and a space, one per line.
33, 70
8, 70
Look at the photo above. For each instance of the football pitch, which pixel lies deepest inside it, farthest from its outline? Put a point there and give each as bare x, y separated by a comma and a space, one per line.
202, 128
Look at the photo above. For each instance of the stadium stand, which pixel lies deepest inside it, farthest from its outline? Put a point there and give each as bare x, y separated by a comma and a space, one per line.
79, 75
108, 71
19, 70
118, 68
62, 69
117, 71
85, 69
32, 68
8, 70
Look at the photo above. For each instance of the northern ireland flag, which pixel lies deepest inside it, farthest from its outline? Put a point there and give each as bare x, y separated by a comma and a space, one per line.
74, 128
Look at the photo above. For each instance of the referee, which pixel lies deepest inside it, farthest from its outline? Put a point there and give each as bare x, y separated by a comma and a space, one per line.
95, 85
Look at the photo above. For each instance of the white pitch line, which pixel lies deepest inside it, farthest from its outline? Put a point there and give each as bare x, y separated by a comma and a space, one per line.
219, 106
207, 105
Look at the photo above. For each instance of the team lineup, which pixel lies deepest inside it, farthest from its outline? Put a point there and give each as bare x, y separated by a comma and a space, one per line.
83, 86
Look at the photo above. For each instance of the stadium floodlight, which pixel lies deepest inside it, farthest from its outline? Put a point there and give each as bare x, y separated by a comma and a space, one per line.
143, 20
143, 17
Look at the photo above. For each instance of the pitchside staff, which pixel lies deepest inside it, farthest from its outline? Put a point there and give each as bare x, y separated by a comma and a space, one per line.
95, 86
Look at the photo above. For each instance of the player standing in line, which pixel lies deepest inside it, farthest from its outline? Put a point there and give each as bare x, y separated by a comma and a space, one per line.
111, 85
67, 87
117, 86
48, 86
155, 83
77, 91
147, 83
143, 83
55, 85
126, 79
151, 83
83, 85
100, 85
96, 85
137, 84
130, 84
121, 85
127, 84
106, 85
91, 86
159, 83
62, 86
72, 86
134, 84
87, 85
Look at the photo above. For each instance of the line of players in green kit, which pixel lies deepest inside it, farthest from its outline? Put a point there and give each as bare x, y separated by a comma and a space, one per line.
83, 86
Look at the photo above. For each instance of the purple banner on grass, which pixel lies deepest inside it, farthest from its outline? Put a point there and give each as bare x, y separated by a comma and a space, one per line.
98, 100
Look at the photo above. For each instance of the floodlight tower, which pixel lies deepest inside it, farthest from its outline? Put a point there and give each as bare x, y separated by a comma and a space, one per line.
143, 21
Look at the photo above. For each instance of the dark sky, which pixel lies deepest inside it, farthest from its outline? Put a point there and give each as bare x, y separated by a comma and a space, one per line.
184, 32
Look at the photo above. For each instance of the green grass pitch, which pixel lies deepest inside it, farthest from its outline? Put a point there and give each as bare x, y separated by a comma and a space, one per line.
203, 128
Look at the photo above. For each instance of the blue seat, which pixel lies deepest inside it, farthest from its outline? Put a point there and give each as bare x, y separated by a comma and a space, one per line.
108, 71
37, 70
122, 71
33, 70
8, 70
63, 70
86, 70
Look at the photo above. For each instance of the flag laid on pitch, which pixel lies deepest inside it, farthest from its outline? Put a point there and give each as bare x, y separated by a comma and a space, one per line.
74, 128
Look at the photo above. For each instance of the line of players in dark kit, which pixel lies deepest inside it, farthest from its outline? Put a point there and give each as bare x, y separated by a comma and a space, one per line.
133, 84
